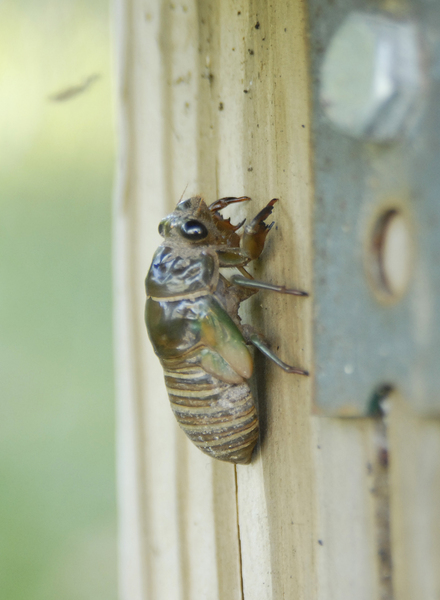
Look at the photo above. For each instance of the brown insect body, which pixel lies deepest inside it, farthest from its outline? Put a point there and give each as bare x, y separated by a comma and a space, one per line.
193, 323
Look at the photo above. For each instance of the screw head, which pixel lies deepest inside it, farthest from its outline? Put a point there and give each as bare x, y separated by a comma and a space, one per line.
371, 76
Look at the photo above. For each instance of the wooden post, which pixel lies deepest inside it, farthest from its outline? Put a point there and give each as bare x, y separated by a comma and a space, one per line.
214, 100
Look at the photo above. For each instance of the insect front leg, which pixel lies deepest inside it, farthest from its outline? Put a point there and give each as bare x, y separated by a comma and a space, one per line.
254, 236
256, 339
224, 202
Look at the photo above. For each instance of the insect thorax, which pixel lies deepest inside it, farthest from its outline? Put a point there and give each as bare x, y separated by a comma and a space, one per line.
181, 273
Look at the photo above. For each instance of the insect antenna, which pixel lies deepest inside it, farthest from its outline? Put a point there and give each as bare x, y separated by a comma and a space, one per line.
183, 193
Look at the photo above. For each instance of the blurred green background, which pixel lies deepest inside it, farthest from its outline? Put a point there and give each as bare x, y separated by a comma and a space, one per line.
57, 473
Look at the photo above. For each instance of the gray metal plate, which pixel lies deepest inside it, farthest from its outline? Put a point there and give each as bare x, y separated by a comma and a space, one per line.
362, 342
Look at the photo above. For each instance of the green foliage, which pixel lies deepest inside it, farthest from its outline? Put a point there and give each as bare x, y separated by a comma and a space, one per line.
57, 501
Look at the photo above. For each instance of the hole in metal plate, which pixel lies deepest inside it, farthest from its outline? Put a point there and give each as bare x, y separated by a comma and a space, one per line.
391, 254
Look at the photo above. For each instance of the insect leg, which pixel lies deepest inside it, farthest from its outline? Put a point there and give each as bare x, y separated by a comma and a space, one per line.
223, 202
255, 233
259, 342
263, 285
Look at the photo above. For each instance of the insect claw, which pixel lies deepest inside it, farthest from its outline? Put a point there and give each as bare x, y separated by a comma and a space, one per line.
250, 282
259, 342
224, 202
239, 225
297, 371
293, 292
255, 233
257, 222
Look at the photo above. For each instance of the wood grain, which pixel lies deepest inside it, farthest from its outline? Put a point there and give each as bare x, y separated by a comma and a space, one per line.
214, 100
415, 501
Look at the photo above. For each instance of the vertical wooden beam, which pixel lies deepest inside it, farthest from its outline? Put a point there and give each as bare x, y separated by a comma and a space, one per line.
178, 508
214, 100
415, 501
276, 492
346, 463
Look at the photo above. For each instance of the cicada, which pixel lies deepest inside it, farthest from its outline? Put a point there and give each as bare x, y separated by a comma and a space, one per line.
193, 323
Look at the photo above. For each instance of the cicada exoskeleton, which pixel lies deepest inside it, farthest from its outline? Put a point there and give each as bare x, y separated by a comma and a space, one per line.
193, 323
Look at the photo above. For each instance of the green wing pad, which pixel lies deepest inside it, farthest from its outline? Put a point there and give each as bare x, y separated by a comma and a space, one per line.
221, 335
214, 364
175, 328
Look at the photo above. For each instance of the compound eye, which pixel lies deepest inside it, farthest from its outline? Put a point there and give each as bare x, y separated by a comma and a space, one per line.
193, 230
160, 228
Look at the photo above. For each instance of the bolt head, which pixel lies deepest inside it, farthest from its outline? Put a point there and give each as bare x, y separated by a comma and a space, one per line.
371, 77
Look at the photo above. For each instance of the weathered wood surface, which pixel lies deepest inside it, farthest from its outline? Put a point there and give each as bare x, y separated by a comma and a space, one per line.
415, 502
213, 99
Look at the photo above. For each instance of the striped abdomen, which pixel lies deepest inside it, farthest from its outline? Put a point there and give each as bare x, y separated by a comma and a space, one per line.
218, 417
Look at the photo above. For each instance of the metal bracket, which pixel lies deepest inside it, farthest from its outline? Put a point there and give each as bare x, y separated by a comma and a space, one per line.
376, 128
